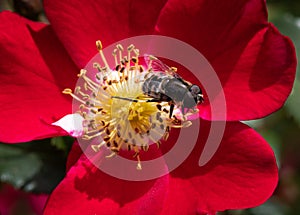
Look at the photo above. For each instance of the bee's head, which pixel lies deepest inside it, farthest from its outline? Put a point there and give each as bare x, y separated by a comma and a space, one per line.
193, 98
196, 93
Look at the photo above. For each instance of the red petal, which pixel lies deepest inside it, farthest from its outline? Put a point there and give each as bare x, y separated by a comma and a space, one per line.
87, 190
34, 70
262, 78
255, 64
213, 26
80, 23
242, 174
74, 155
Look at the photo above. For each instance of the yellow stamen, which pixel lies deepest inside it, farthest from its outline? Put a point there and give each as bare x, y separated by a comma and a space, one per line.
115, 108
99, 47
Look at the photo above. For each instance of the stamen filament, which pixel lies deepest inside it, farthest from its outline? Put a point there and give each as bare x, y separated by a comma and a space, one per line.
111, 155
129, 50
99, 47
115, 57
96, 148
121, 49
69, 92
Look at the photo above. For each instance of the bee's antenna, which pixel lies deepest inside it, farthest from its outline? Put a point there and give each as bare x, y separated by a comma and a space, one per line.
126, 99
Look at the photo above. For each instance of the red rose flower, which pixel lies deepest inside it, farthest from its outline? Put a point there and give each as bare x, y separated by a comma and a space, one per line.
254, 62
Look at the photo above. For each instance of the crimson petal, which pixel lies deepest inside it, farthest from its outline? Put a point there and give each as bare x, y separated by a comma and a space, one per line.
254, 62
35, 69
94, 192
75, 154
242, 174
79, 24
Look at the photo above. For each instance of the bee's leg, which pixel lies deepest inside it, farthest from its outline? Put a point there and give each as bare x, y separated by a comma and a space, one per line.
171, 110
183, 114
154, 100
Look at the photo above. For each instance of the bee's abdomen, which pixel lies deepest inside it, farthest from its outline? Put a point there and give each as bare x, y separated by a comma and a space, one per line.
176, 90
154, 86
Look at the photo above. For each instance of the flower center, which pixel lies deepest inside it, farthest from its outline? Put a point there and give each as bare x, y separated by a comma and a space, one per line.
139, 116
117, 111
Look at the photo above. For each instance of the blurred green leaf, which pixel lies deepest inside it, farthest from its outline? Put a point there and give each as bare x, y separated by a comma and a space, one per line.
17, 165
273, 138
62, 143
293, 103
288, 24
270, 207
36, 166
291, 6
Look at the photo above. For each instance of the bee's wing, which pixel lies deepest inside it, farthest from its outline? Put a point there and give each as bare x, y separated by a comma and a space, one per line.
157, 65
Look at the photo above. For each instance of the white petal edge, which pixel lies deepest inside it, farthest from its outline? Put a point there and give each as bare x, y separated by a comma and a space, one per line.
71, 123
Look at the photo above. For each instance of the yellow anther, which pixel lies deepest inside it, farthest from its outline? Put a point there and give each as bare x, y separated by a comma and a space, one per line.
111, 155
95, 148
137, 156
130, 48
114, 53
77, 89
99, 45
85, 86
67, 91
152, 57
81, 107
99, 48
86, 137
140, 109
97, 66
174, 69
186, 124
145, 147
136, 52
120, 47
82, 73
139, 166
